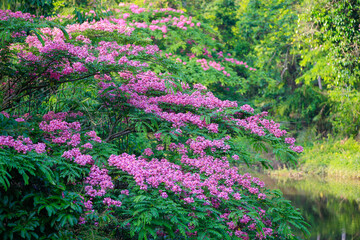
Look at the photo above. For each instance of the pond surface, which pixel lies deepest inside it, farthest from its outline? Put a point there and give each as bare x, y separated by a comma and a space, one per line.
331, 206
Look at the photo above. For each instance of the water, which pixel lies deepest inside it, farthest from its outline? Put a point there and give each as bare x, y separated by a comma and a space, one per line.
331, 206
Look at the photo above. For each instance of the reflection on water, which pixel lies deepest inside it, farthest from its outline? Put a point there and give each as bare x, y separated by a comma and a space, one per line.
332, 207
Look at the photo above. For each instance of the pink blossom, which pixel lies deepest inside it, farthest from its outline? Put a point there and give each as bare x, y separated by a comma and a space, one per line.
148, 152
20, 120
125, 192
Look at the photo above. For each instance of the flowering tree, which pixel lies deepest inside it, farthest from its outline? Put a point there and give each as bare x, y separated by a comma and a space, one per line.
104, 134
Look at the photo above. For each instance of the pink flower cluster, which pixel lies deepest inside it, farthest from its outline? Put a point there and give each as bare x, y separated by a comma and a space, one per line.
257, 124
168, 10
144, 82
217, 66
102, 25
247, 108
220, 181
5, 15
156, 172
22, 144
148, 152
162, 24
98, 178
110, 202
206, 65
79, 158
291, 142
235, 226
140, 84
93, 136
62, 132
18, 34
106, 53
298, 149
199, 145
136, 9
237, 62
196, 99
61, 115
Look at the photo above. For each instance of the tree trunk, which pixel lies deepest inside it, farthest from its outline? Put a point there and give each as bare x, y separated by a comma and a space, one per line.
319, 82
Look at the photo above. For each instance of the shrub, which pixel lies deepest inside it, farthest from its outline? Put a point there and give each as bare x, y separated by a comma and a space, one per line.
130, 148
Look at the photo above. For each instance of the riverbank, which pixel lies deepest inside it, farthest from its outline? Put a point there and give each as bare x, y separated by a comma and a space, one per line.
330, 206
330, 157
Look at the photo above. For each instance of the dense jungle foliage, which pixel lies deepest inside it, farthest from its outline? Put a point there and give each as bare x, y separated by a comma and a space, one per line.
138, 119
